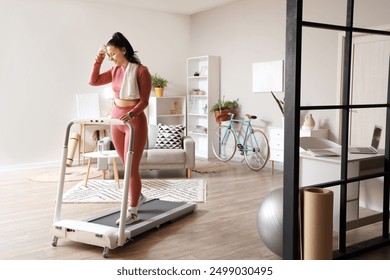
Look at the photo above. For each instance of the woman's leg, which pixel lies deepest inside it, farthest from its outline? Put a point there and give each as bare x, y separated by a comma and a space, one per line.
140, 136
120, 137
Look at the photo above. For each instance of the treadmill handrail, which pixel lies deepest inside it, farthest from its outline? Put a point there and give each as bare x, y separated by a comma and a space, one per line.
60, 191
99, 121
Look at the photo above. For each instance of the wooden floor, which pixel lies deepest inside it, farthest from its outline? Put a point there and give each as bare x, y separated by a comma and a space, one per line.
222, 228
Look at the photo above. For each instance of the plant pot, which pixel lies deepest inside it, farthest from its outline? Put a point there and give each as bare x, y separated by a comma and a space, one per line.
159, 92
222, 115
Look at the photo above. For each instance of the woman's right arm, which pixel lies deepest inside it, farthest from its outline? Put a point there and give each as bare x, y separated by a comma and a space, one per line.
97, 79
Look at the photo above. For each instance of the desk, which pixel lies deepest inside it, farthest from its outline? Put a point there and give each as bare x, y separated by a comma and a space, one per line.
276, 143
316, 170
106, 154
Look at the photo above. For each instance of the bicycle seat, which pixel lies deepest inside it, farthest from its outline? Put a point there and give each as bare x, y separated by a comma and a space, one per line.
253, 117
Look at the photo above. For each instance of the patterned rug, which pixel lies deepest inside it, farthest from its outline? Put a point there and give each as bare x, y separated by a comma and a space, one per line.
106, 191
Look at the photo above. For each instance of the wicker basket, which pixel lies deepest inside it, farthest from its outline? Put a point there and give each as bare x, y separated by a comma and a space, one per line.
222, 115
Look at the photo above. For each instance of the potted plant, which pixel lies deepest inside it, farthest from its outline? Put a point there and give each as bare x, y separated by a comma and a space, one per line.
280, 103
158, 84
222, 108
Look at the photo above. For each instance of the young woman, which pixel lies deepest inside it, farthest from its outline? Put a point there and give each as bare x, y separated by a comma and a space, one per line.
131, 84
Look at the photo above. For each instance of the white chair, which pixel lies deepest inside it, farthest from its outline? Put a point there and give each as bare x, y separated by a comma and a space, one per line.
88, 106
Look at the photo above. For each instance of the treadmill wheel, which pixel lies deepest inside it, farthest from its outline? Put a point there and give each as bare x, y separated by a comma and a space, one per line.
105, 252
54, 243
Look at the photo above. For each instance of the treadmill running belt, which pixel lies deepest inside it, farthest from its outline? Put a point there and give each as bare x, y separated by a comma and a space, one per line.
147, 211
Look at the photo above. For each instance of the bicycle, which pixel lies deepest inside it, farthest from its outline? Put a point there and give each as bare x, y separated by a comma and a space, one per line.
255, 148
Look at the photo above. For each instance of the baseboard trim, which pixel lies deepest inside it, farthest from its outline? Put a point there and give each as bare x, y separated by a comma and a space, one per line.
35, 165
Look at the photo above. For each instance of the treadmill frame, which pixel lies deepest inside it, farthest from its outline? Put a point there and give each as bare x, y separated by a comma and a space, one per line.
104, 236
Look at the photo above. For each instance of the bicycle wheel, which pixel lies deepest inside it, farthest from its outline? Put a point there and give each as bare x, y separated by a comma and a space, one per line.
224, 143
256, 150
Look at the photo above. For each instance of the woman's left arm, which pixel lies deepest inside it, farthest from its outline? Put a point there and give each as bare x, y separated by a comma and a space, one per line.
145, 86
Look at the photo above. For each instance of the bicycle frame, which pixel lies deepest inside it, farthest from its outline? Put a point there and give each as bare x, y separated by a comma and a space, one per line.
253, 146
231, 126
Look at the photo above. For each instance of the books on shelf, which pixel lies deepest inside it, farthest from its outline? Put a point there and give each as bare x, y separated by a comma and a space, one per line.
200, 129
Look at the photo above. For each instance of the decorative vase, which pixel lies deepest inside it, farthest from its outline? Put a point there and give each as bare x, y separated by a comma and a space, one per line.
309, 122
159, 91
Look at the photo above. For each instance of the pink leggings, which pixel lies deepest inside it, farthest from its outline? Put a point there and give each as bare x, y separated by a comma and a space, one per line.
120, 137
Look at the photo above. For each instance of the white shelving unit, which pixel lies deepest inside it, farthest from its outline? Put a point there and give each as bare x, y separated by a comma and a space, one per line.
203, 77
170, 110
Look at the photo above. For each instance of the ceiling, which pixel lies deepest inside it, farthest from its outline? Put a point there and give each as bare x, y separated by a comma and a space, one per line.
187, 7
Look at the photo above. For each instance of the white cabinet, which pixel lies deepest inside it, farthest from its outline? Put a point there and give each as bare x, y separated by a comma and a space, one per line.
202, 93
170, 110
276, 138
317, 170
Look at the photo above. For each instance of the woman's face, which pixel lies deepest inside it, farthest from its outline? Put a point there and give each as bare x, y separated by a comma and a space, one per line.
117, 55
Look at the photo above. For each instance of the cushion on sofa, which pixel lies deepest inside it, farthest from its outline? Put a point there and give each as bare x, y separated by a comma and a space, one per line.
163, 156
152, 136
169, 136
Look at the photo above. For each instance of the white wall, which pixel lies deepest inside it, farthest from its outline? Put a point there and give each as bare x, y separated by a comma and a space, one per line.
48, 48
46, 54
251, 31
243, 33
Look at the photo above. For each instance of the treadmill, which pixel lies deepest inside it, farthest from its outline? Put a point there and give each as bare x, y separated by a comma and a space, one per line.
101, 230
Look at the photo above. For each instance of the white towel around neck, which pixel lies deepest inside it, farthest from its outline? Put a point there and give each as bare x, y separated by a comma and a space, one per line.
129, 89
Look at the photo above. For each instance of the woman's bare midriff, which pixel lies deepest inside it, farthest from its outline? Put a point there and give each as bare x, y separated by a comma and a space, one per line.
126, 103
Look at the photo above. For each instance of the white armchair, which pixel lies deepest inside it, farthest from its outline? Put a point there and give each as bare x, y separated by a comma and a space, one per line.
153, 158
156, 159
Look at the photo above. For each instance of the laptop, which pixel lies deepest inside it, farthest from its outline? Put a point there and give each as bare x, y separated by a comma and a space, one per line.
322, 153
376, 136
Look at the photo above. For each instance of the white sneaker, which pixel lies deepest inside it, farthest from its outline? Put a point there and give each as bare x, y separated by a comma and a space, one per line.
141, 200
132, 216
132, 212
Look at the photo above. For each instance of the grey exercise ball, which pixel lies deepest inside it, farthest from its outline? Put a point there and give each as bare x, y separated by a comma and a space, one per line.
270, 221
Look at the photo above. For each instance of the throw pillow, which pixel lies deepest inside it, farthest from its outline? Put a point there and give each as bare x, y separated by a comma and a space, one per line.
169, 136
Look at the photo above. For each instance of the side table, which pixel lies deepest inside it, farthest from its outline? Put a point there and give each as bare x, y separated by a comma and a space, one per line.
105, 154
83, 129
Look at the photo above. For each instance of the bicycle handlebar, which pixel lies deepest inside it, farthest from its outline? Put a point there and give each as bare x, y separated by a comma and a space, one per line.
249, 116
